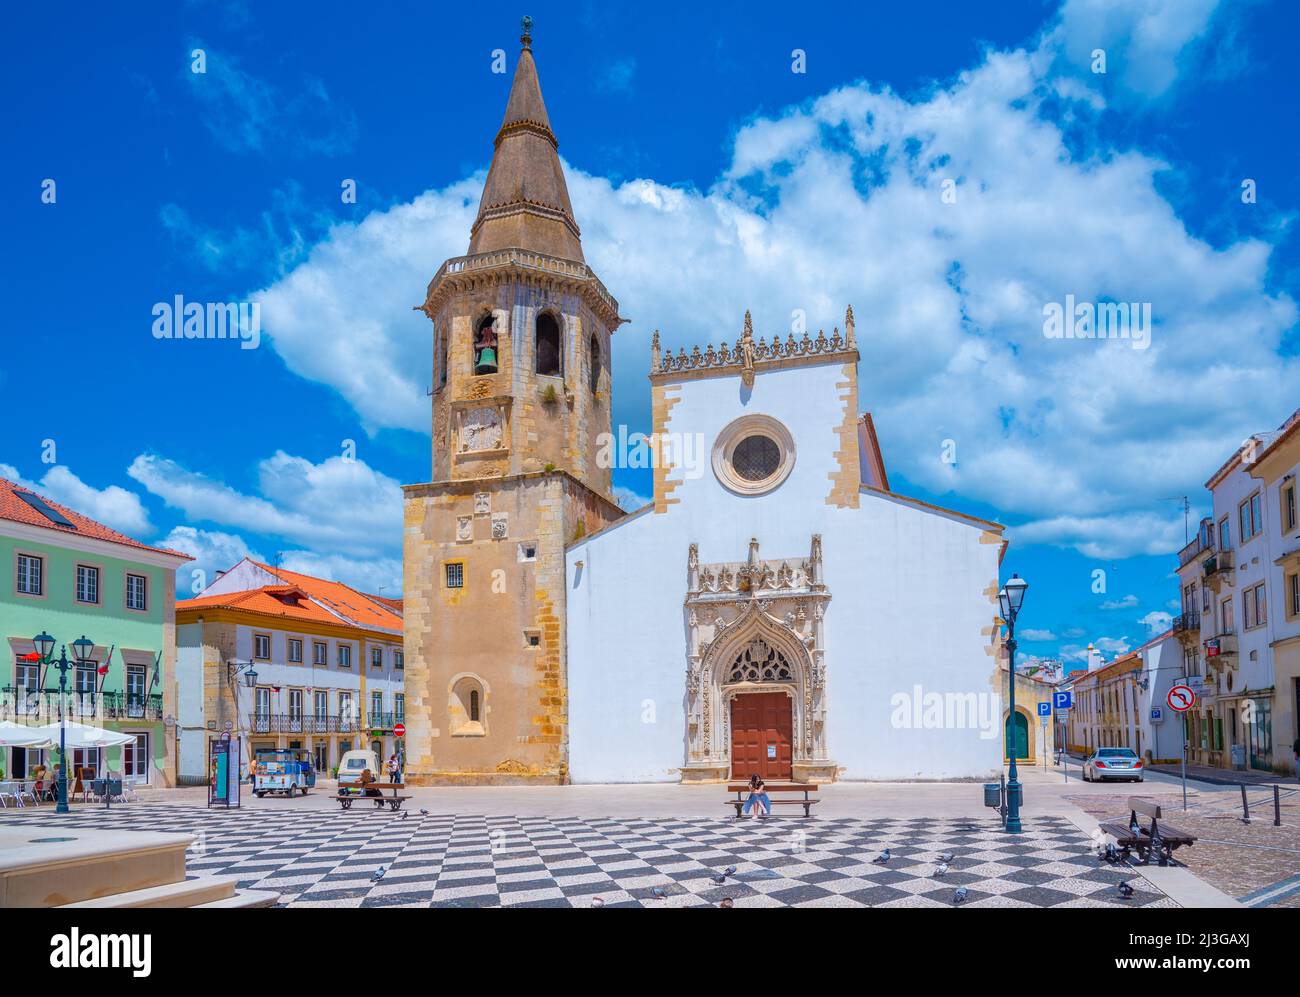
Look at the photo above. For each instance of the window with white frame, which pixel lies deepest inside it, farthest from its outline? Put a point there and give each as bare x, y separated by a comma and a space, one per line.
455, 574
1287, 505
399, 660
262, 647
321, 704
376, 704
1250, 520
31, 574
319, 651
87, 583
399, 706
1256, 613
345, 655
137, 592
1293, 594
1225, 534
262, 702
295, 649
376, 657
1225, 617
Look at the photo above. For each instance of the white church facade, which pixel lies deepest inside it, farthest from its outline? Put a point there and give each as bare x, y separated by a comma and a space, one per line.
777, 608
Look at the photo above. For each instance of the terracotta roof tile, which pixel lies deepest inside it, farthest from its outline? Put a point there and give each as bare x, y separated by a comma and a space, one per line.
16, 510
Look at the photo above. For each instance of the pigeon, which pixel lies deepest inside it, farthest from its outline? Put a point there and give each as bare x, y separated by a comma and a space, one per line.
941, 868
1125, 891
658, 892
959, 895
378, 874
1112, 853
726, 902
405, 814
882, 858
946, 857
1134, 828
424, 813
729, 871
719, 878
597, 901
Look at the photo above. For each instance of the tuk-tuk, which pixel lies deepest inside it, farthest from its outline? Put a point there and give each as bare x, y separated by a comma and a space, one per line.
282, 770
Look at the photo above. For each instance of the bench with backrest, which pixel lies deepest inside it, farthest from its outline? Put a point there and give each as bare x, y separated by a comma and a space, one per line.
790, 794
1156, 835
352, 792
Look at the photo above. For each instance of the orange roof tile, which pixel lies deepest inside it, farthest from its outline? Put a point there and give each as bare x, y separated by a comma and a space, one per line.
16, 510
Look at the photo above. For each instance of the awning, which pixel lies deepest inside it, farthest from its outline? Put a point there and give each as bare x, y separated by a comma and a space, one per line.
83, 735
14, 735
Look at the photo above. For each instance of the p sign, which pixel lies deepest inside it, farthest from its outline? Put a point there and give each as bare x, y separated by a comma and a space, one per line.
1062, 700
1181, 698
1044, 709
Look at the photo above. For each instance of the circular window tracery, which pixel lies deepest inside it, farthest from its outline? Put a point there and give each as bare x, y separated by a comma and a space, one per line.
753, 455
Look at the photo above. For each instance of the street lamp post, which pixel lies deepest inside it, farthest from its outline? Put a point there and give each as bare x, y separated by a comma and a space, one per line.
1009, 601
81, 651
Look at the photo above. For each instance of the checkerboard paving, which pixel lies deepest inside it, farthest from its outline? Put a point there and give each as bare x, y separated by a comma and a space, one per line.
327, 858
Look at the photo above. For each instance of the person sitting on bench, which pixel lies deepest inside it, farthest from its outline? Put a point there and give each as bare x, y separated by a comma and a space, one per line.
367, 777
758, 797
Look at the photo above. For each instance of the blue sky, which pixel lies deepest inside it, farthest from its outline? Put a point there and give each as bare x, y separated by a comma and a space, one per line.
708, 178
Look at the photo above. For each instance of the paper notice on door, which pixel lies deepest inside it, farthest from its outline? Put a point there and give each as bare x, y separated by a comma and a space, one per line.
771, 751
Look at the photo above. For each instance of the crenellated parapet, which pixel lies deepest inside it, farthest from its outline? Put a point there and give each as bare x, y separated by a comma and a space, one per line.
749, 355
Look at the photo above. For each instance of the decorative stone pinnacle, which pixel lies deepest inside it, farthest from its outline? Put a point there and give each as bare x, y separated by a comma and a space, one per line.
654, 352
526, 26
850, 336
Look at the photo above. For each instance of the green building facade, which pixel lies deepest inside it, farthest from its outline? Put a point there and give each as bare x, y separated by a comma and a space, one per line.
69, 576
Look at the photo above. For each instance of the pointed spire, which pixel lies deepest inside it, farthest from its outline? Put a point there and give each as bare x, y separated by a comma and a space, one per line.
525, 201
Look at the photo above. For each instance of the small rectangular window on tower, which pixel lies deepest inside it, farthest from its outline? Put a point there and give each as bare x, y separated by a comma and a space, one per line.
528, 550
455, 575
532, 638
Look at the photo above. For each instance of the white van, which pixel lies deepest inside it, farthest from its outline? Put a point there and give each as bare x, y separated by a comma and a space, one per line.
354, 762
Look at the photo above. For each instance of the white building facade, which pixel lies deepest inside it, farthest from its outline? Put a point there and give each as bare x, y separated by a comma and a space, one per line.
777, 608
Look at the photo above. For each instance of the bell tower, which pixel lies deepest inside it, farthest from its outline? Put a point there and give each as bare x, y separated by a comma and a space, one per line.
521, 324
520, 412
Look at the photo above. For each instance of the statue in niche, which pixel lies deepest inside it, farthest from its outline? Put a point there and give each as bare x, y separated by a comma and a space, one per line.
485, 346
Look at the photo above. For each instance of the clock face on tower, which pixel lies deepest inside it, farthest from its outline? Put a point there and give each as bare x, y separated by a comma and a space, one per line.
480, 429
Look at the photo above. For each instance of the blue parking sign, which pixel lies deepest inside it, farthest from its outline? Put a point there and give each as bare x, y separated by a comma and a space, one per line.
1063, 700
1044, 709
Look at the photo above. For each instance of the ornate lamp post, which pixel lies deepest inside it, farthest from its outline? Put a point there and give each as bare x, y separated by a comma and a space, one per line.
1010, 600
81, 652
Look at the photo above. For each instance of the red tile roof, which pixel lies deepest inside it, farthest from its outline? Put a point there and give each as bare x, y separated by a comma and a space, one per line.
16, 510
355, 608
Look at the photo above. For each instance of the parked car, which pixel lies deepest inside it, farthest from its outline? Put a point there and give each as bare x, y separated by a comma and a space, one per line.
356, 761
1113, 763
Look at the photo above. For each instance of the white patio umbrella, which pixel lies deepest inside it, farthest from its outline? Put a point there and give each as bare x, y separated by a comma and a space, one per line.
14, 735
83, 735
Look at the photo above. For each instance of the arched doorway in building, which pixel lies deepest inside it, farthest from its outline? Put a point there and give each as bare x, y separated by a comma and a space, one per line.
1017, 734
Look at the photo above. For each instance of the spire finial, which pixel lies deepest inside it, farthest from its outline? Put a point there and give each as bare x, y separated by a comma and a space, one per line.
526, 27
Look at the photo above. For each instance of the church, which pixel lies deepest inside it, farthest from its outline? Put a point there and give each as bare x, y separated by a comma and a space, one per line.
776, 608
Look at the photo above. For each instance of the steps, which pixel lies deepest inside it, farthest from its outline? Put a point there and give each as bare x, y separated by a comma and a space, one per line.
70, 867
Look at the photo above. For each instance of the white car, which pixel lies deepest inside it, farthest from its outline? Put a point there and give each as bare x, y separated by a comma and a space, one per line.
1113, 763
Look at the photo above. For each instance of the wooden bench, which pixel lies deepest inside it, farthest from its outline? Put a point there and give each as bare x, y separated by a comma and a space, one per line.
773, 789
1161, 838
351, 793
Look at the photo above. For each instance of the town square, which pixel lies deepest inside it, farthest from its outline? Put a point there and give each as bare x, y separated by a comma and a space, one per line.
808, 458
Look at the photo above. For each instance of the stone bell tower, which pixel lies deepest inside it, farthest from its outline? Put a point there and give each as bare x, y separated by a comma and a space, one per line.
521, 411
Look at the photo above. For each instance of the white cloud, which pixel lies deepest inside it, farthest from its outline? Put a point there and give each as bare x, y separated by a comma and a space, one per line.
113, 506
628, 500
1157, 621
1039, 635
377, 576
341, 506
212, 551
1127, 602
839, 201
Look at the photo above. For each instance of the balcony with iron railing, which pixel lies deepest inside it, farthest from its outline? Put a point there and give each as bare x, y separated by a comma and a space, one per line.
1186, 623
36, 707
304, 723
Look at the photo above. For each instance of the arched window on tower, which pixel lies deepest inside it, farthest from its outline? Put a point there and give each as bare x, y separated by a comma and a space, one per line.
485, 346
548, 344
442, 357
473, 706
466, 707
595, 364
